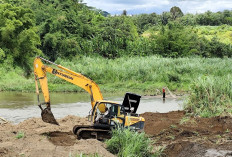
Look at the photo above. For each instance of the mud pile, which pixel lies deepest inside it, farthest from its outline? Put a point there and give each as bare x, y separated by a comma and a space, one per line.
190, 137
42, 139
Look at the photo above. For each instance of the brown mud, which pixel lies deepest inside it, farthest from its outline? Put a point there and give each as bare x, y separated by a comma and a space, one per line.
185, 136
180, 135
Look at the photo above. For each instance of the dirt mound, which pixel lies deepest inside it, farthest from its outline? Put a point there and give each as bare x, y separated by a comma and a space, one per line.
189, 136
33, 137
156, 122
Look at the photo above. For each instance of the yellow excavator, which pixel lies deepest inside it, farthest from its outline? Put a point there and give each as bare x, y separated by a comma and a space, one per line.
104, 115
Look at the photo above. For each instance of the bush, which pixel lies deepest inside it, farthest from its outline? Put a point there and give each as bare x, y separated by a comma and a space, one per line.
211, 96
125, 142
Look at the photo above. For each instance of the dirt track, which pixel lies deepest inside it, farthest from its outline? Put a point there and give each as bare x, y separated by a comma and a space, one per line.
183, 137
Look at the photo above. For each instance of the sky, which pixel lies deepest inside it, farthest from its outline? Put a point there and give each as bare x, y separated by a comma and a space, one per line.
159, 6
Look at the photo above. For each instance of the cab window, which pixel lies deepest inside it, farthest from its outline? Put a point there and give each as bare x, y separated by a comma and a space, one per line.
113, 110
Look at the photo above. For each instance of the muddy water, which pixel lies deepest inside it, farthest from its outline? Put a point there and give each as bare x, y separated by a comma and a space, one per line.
17, 107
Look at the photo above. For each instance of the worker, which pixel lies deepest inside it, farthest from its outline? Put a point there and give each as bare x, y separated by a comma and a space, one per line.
100, 116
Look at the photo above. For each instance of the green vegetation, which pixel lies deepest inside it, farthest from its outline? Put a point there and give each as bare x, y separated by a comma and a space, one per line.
211, 96
129, 143
138, 74
18, 39
20, 135
223, 33
120, 53
63, 29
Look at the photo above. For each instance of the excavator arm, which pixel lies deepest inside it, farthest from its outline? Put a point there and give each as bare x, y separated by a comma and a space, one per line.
40, 72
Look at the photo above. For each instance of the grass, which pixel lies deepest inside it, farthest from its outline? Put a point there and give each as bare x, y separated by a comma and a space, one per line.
20, 135
184, 120
135, 74
158, 151
125, 142
173, 126
211, 96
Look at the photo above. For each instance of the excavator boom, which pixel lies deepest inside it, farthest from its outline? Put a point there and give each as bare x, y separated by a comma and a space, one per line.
40, 72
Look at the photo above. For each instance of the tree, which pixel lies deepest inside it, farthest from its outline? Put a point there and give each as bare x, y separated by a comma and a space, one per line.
175, 40
64, 26
145, 21
115, 33
165, 17
18, 38
176, 12
188, 19
124, 12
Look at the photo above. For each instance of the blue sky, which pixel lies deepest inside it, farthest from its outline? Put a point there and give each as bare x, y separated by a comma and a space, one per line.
159, 6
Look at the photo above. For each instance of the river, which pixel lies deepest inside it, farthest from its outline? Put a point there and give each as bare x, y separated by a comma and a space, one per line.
17, 106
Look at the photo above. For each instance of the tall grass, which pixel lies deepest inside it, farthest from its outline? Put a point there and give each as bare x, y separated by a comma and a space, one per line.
139, 74
126, 143
15, 79
211, 96
147, 73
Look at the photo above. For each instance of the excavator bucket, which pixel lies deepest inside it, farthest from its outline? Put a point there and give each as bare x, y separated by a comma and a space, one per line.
48, 117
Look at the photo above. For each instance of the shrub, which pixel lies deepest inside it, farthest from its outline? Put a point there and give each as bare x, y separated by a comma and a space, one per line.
125, 142
210, 96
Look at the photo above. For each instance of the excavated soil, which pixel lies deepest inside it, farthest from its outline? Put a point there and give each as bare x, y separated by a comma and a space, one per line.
181, 136
184, 136
42, 139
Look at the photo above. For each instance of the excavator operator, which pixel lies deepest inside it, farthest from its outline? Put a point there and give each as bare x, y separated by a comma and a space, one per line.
100, 116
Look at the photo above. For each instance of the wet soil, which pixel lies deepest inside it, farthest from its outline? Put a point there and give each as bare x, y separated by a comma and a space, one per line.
184, 136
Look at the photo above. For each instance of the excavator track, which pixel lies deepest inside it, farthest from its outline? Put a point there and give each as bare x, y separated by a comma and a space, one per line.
89, 132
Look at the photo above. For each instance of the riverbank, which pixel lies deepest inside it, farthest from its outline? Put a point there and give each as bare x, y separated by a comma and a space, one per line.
142, 75
173, 132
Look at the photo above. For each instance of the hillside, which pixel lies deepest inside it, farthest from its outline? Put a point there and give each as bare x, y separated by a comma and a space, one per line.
223, 33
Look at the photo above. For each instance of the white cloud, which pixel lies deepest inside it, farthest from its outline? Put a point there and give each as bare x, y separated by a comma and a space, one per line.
158, 6
202, 6
120, 5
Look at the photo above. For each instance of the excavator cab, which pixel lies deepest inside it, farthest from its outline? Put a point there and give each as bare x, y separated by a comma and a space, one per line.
114, 114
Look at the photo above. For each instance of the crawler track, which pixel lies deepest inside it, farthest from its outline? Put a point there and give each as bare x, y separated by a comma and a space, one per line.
89, 132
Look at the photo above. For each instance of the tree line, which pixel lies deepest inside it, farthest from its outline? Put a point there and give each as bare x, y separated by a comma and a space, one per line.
63, 29
144, 21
